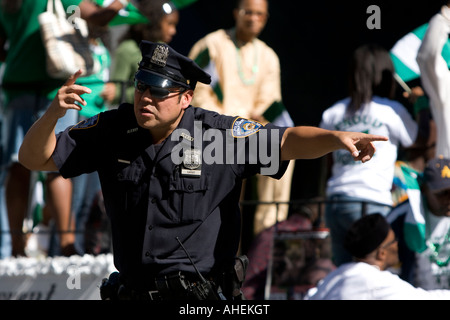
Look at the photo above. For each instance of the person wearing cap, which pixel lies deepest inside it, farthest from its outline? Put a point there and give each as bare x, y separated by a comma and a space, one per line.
422, 225
373, 245
171, 175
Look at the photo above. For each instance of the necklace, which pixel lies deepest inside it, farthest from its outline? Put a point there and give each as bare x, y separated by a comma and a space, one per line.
440, 252
438, 245
254, 69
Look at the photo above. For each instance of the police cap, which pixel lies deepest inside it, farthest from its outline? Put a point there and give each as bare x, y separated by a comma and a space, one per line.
161, 66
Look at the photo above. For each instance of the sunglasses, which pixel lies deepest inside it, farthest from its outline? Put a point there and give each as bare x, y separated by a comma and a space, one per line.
156, 92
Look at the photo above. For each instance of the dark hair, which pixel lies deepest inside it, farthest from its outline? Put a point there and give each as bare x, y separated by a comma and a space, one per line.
366, 234
371, 73
155, 10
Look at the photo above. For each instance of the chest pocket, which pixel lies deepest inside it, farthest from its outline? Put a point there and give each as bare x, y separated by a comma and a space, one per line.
188, 197
131, 183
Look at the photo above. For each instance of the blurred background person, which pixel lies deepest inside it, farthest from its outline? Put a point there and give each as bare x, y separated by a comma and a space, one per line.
435, 76
163, 18
373, 245
422, 226
246, 82
86, 187
353, 188
28, 90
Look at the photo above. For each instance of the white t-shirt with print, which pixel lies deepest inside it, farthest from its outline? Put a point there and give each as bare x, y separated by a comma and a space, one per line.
371, 180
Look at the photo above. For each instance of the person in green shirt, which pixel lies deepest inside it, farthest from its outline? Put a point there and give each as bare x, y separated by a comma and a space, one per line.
27, 91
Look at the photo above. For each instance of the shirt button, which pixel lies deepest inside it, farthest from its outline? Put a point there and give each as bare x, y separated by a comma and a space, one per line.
150, 227
147, 254
189, 187
153, 200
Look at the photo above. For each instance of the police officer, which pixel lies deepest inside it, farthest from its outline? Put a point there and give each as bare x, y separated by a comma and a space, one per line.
171, 174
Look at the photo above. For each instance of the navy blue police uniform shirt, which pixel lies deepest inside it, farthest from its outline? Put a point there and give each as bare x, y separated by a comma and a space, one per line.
152, 199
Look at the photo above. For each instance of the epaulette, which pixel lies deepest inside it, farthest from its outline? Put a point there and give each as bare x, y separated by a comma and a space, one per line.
211, 119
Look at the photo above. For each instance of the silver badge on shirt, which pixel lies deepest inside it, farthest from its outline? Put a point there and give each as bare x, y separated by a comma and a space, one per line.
192, 163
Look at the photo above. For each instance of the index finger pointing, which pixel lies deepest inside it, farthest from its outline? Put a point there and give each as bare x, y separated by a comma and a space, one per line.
73, 78
373, 137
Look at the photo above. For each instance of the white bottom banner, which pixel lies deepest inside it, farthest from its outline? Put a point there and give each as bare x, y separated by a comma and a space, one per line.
57, 278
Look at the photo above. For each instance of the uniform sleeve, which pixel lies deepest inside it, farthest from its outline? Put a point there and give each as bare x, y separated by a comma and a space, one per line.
260, 153
79, 149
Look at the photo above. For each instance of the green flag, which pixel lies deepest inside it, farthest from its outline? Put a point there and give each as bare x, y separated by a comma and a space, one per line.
414, 224
128, 15
180, 4
404, 53
131, 15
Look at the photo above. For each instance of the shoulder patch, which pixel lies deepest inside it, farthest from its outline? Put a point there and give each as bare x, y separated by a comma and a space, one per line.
88, 123
244, 127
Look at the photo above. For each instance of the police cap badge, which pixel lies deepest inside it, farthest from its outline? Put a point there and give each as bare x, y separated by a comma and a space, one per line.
161, 66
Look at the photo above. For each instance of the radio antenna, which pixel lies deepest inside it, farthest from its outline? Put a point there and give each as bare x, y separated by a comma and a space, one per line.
192, 262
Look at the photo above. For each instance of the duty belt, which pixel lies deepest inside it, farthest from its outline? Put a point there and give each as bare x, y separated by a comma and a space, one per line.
181, 286
176, 286
125, 293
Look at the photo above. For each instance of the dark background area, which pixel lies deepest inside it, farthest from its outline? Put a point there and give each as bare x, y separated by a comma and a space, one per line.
314, 40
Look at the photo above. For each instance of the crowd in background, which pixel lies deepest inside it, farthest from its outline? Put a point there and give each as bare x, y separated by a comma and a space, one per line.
42, 203
55, 216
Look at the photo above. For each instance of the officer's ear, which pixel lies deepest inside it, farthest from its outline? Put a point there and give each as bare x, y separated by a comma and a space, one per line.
186, 98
